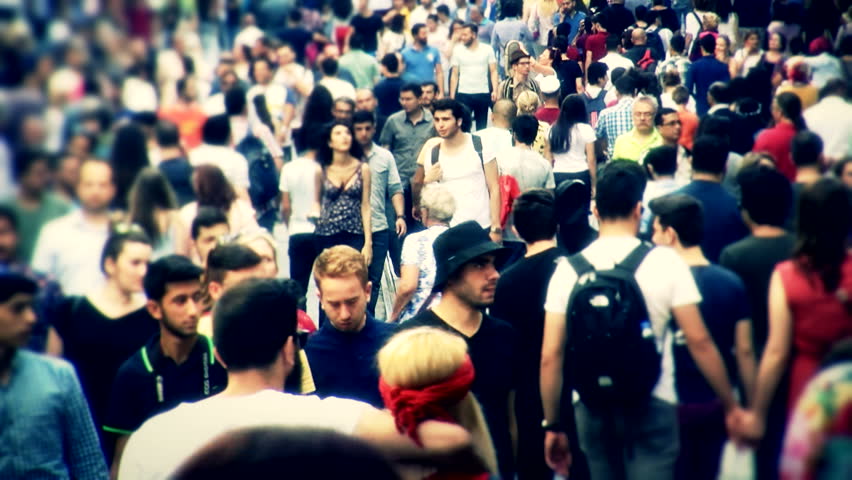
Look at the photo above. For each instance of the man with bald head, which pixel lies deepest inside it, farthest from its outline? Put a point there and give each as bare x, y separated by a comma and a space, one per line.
642, 53
498, 136
366, 101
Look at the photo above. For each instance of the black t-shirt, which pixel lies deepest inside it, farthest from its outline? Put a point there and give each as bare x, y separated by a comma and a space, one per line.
568, 73
97, 346
387, 95
150, 383
178, 172
369, 28
617, 18
493, 351
298, 38
723, 304
754, 259
519, 300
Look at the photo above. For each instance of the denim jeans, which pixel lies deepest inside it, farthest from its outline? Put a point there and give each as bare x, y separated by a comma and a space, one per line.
302, 254
381, 239
649, 449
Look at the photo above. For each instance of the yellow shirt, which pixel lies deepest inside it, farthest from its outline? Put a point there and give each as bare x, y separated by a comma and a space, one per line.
630, 146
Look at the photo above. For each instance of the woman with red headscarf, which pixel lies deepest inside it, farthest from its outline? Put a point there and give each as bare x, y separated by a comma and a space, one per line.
426, 374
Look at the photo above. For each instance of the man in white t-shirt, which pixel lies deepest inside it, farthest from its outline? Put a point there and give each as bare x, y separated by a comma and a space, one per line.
473, 67
215, 150
669, 290
259, 350
471, 176
498, 137
297, 183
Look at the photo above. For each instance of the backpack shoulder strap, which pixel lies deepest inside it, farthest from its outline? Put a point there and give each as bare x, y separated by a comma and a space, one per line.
477, 145
635, 258
436, 152
580, 265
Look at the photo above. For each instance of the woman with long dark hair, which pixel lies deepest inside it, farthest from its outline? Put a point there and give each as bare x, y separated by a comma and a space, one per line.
128, 157
317, 114
152, 206
810, 307
787, 116
572, 143
342, 198
212, 189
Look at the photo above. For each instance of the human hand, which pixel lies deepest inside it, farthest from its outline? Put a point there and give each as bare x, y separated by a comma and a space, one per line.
557, 452
367, 252
415, 213
493, 96
435, 174
400, 227
496, 237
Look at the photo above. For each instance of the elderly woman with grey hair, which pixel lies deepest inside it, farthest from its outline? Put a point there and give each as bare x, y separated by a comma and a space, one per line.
437, 206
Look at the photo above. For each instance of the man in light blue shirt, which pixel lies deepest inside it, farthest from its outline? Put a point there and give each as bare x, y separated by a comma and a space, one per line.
508, 29
70, 247
385, 183
422, 62
46, 430
569, 14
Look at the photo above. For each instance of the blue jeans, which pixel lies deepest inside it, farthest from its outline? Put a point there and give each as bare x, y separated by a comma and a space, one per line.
381, 240
478, 103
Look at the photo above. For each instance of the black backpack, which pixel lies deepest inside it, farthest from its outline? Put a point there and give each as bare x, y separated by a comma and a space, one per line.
263, 177
613, 358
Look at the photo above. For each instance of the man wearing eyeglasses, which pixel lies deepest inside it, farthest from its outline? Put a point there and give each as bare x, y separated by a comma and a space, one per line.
520, 80
634, 144
669, 126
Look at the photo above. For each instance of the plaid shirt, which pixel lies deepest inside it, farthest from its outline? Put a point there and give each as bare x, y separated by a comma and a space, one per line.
615, 121
45, 427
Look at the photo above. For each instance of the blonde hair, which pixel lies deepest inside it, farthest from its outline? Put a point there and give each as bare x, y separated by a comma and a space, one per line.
422, 356
340, 261
248, 237
527, 102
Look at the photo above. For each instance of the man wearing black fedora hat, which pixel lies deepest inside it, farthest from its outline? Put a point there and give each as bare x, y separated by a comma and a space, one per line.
467, 280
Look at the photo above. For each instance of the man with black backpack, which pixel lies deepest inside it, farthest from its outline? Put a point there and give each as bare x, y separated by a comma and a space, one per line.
465, 165
608, 311
643, 54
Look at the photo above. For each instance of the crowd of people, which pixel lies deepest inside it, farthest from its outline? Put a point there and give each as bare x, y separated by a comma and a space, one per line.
425, 238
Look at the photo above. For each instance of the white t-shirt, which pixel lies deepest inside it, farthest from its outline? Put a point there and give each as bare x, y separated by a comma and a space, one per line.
530, 170
232, 163
164, 442
472, 65
498, 139
664, 279
464, 177
338, 88
574, 160
615, 60
298, 179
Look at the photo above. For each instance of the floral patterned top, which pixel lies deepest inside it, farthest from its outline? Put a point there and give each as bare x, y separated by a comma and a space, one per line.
824, 411
417, 251
341, 206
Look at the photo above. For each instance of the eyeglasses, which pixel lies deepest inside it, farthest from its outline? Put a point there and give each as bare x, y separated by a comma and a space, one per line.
524, 64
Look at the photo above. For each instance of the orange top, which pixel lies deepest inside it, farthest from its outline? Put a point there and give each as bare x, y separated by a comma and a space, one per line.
189, 122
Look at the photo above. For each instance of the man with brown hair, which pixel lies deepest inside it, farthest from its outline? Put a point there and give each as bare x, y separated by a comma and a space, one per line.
342, 353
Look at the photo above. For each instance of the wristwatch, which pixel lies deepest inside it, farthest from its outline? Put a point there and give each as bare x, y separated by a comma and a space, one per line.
497, 230
398, 217
552, 426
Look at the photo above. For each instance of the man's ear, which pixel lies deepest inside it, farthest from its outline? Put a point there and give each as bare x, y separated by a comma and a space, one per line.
154, 309
368, 289
215, 289
288, 352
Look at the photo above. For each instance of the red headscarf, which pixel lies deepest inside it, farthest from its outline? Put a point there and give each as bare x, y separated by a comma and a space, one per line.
412, 407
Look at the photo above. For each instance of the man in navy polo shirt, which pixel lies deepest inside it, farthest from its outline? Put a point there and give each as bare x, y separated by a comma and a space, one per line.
422, 62
342, 354
177, 365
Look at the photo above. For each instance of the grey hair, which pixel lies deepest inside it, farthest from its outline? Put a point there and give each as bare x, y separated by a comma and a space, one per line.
439, 201
649, 100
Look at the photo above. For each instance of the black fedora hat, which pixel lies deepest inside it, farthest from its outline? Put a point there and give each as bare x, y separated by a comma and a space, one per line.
458, 246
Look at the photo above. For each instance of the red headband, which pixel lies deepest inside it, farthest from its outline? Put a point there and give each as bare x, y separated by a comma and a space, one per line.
412, 407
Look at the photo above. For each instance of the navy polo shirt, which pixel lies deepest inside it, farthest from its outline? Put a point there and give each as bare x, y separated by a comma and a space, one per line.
344, 364
149, 383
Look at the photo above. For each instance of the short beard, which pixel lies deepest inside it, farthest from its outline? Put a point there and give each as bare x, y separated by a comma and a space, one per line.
174, 331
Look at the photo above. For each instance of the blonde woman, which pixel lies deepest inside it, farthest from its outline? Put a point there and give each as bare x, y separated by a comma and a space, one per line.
426, 374
262, 243
528, 102
540, 22
723, 54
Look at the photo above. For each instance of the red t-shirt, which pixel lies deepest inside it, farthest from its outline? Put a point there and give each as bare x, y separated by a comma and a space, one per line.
776, 141
596, 43
689, 126
547, 114
189, 121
